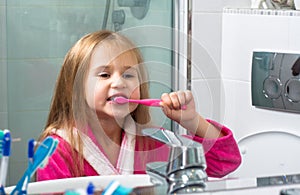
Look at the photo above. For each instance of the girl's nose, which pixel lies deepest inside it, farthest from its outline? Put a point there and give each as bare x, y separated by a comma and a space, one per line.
118, 82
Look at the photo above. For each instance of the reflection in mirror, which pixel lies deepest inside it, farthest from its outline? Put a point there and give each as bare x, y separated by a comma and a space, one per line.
276, 81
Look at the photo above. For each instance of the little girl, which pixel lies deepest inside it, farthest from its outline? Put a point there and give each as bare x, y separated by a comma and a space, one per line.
97, 136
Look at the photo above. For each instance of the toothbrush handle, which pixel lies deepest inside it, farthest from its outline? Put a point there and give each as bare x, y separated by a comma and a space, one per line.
146, 102
152, 102
4, 167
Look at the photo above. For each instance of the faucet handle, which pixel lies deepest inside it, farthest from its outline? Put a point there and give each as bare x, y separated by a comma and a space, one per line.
170, 138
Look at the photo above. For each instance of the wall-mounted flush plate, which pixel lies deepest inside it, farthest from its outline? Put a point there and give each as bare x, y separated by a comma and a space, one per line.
275, 81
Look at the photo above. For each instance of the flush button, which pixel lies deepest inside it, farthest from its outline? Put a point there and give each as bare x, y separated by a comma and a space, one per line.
272, 87
292, 90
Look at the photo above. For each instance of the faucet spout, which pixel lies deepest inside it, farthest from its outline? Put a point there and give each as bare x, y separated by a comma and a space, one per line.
189, 180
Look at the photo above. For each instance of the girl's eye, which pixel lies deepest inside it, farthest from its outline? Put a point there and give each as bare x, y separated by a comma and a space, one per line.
128, 75
104, 75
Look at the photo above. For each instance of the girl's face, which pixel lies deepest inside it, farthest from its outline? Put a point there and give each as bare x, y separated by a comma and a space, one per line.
112, 74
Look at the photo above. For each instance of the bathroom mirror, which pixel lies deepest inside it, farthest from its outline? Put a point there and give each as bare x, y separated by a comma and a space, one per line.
36, 35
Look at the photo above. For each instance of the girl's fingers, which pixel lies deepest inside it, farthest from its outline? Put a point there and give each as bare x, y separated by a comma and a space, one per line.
182, 98
188, 96
175, 100
166, 99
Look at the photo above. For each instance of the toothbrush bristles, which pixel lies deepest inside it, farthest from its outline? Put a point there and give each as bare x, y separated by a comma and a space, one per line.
120, 100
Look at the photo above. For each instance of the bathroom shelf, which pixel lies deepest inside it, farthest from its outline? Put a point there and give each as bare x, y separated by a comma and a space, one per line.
268, 12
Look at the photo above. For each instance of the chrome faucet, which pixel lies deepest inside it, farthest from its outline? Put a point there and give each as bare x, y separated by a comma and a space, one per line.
185, 170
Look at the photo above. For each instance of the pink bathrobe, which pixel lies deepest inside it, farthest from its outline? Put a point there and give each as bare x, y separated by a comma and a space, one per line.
222, 157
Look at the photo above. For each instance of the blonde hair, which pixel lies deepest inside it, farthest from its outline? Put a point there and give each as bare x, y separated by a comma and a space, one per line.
68, 106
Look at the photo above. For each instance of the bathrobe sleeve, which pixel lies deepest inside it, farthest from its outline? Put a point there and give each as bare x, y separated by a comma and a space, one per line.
222, 154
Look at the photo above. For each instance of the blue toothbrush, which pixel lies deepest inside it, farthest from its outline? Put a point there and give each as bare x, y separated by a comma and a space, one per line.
6, 144
30, 153
43, 152
2, 191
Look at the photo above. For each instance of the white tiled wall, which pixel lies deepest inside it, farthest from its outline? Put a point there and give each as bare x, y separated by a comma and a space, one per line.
243, 34
206, 54
264, 33
235, 84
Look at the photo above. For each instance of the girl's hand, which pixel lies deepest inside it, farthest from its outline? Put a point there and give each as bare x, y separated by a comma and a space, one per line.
172, 104
188, 118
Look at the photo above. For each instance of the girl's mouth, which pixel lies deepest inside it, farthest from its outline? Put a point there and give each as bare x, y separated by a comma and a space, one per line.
111, 99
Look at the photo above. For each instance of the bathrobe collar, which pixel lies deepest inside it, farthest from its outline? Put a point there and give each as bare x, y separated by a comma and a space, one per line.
97, 159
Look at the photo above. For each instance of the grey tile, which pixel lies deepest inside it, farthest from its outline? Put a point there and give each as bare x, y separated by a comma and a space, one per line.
15, 172
3, 47
48, 32
3, 120
25, 126
33, 90
3, 86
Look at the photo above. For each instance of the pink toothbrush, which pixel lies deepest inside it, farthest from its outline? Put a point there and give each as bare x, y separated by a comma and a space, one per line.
146, 102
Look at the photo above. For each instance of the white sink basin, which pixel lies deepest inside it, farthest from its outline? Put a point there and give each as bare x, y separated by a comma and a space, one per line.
100, 182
